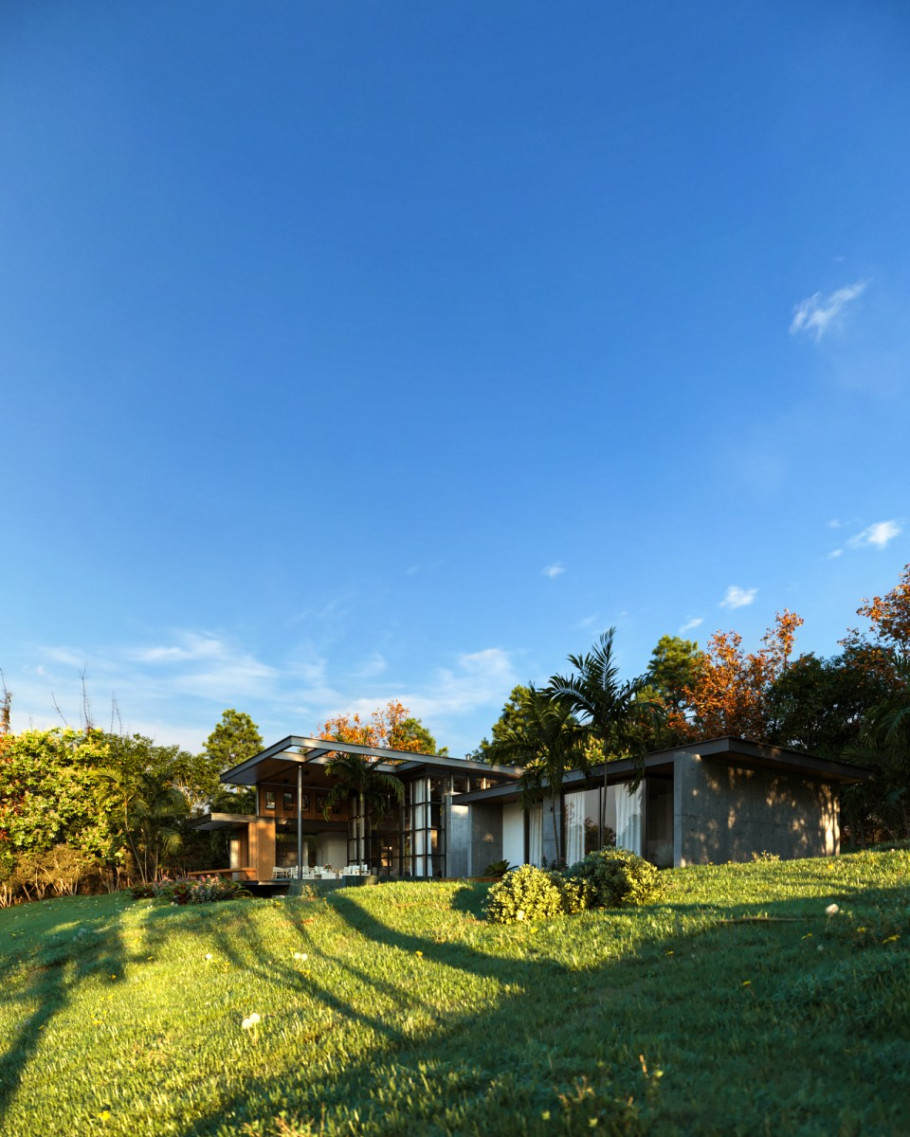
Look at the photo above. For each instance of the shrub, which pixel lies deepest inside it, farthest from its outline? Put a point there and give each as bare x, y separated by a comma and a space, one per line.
616, 878
574, 893
527, 893
191, 890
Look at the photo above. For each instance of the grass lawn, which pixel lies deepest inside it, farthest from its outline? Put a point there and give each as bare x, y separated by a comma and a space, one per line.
734, 1006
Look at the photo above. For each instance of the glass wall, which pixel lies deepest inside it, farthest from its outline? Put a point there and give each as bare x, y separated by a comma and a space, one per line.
582, 824
423, 828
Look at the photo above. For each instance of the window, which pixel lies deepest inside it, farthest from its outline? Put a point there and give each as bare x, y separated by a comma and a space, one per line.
269, 799
287, 800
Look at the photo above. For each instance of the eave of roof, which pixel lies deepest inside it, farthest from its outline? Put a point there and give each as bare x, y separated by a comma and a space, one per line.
733, 751
297, 750
222, 820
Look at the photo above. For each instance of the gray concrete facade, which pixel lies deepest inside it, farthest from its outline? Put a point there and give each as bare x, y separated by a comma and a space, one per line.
727, 812
486, 837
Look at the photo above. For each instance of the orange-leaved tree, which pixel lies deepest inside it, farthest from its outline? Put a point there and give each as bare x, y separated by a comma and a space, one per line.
360, 777
729, 694
392, 726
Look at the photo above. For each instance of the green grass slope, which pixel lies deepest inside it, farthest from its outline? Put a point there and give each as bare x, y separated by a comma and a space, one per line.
736, 1005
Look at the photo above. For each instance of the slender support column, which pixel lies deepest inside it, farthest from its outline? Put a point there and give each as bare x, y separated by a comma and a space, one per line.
300, 822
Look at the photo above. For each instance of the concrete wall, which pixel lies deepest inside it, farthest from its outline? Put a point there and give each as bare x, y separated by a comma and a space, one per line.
332, 849
513, 833
726, 813
458, 837
486, 837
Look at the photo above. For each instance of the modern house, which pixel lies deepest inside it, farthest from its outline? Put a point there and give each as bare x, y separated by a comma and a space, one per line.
425, 835
721, 800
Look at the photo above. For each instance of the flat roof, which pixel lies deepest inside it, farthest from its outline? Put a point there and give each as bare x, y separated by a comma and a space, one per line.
297, 750
222, 820
732, 751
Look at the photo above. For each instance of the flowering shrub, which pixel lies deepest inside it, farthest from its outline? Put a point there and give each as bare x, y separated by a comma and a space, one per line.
527, 893
191, 890
616, 878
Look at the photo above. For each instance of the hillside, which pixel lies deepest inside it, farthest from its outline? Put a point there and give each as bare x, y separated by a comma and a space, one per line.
736, 1005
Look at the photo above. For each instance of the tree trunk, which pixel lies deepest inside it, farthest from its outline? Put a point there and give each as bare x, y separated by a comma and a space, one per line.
560, 859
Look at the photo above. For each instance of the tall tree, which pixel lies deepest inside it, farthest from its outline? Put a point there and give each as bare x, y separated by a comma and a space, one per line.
731, 688
235, 738
137, 791
613, 710
673, 668
508, 722
392, 726
548, 740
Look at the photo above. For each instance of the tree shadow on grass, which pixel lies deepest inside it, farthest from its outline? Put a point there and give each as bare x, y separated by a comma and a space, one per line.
469, 899
557, 1043
54, 971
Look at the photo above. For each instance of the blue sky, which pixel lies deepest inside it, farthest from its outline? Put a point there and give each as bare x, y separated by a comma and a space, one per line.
352, 351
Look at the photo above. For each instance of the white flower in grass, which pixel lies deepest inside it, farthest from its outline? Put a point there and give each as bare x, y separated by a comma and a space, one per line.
250, 1021
208, 956
832, 910
300, 955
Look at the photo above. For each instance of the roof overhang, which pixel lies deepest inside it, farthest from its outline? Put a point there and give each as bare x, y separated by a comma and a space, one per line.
296, 750
213, 821
731, 751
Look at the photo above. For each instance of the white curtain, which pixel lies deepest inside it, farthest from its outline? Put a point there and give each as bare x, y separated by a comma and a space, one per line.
628, 819
575, 828
535, 834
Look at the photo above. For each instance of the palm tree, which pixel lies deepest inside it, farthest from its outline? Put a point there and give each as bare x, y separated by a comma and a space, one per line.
547, 739
610, 709
358, 774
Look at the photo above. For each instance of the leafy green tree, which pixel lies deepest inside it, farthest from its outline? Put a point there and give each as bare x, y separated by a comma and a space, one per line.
672, 669
614, 711
413, 731
47, 780
235, 739
546, 738
137, 791
505, 725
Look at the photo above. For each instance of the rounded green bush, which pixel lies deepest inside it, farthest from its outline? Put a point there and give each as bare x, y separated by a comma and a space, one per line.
527, 893
616, 878
574, 893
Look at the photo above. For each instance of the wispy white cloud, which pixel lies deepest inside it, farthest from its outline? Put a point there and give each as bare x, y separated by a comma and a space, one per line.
691, 625
815, 315
375, 665
736, 597
877, 535
835, 553
191, 646
479, 679
553, 571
